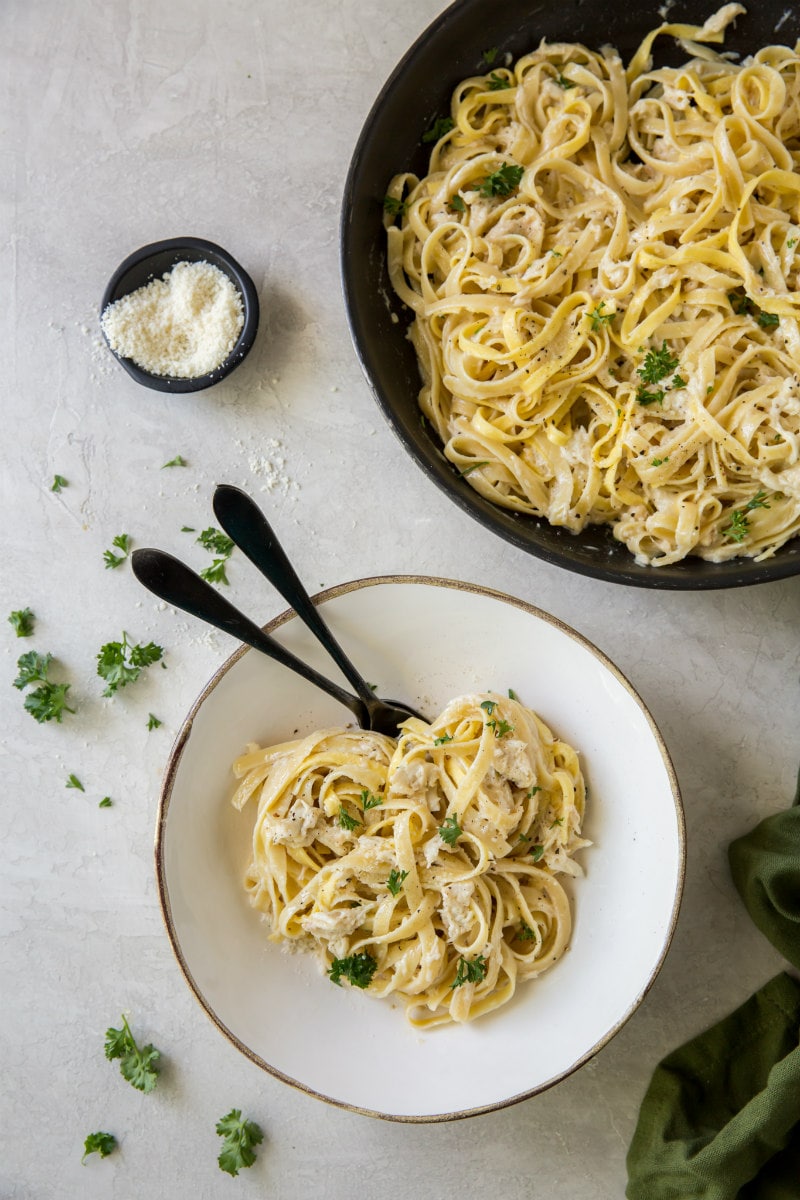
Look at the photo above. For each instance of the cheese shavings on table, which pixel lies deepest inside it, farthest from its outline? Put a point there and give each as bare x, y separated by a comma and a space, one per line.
183, 325
603, 265
424, 867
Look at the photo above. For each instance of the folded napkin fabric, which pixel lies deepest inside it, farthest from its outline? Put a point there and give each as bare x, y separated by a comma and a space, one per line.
721, 1117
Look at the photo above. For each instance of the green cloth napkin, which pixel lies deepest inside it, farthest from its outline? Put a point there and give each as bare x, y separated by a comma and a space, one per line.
721, 1117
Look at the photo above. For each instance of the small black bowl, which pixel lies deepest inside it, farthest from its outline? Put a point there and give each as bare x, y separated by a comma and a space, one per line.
154, 261
418, 91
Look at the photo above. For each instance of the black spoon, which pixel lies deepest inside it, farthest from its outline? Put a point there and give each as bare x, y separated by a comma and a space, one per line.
245, 523
171, 580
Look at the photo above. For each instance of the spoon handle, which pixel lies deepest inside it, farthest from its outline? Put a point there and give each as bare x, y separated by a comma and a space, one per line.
243, 520
176, 583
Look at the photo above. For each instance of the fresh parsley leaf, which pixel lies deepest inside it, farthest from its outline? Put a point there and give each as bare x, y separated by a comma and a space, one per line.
368, 800
152, 721
501, 182
657, 462
438, 129
120, 663
357, 968
599, 318
239, 1136
394, 206
677, 383
498, 82
457, 203
22, 620
469, 971
217, 542
106, 802
526, 934
112, 560
657, 364
512, 695
501, 728
188, 529
532, 792
99, 1143
396, 880
474, 467
451, 831
644, 397
536, 852
135, 1064
33, 668
74, 782
489, 56
739, 525
58, 483
48, 702
489, 706
768, 320
441, 741
177, 461
564, 83
216, 572
740, 303
346, 821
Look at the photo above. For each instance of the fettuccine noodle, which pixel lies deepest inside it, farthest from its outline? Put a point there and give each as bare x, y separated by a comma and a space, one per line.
604, 270
427, 867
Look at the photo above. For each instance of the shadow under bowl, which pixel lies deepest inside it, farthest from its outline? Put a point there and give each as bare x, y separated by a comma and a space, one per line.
157, 259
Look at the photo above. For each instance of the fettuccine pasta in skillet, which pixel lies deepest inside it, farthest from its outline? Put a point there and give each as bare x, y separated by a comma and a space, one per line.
604, 270
425, 868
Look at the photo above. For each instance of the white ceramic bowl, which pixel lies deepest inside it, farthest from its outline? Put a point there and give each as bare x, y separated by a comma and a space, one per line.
424, 641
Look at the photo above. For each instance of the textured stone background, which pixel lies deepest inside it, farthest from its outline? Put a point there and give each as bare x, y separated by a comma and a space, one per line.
128, 121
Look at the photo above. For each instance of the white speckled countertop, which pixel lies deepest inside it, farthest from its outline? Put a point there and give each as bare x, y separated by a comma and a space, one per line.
122, 123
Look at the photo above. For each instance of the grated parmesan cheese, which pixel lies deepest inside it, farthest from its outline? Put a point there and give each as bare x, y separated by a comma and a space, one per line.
184, 324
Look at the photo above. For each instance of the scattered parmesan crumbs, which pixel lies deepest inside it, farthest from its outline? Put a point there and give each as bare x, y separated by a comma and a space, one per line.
183, 325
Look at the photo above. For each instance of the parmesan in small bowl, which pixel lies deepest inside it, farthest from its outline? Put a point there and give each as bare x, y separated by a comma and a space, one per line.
180, 314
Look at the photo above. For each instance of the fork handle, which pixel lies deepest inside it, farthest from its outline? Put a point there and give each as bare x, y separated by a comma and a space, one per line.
243, 520
171, 580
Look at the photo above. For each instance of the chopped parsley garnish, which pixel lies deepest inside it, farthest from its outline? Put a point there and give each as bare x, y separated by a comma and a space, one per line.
22, 620
239, 1136
120, 663
216, 572
396, 880
791, 243
106, 802
564, 83
498, 82
768, 320
644, 397
99, 1143
502, 181
177, 461
135, 1064
474, 467
440, 741
740, 303
740, 522
58, 483
394, 206
48, 702
489, 56
512, 695
536, 852
451, 831
215, 541
438, 129
489, 706
152, 721
469, 971
677, 383
658, 462
501, 728
74, 782
188, 529
526, 934
599, 318
357, 968
369, 800
533, 792
657, 364
346, 821
123, 543
457, 203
